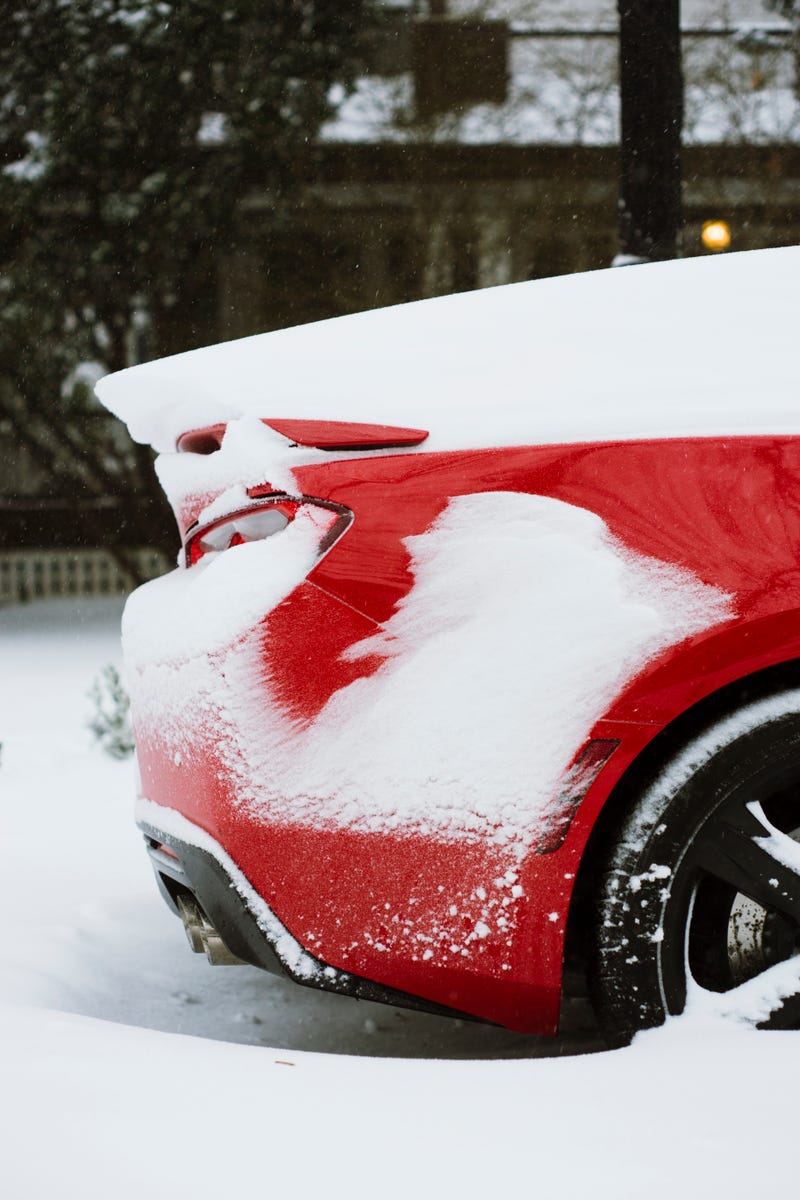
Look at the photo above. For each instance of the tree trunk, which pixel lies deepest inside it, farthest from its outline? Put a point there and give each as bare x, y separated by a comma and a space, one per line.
651, 101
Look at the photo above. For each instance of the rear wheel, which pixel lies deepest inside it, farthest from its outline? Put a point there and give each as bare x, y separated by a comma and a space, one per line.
704, 881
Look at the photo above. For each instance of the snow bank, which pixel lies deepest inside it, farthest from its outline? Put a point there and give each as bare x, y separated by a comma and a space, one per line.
686, 1111
701, 346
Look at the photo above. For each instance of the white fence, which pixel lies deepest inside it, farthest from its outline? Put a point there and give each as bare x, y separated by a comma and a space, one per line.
36, 574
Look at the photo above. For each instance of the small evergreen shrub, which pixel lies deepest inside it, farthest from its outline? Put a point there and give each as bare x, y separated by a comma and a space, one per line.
111, 722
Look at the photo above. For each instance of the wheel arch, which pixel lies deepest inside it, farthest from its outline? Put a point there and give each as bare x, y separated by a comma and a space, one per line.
668, 743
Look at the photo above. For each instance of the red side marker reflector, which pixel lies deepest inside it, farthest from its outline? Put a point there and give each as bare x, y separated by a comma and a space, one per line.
575, 785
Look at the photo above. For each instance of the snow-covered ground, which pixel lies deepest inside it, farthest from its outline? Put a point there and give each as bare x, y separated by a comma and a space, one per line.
131, 1068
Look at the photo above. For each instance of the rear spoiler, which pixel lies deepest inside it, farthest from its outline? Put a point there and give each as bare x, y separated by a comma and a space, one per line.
321, 435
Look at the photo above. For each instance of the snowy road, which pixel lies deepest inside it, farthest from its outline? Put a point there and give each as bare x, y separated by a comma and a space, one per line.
99, 1097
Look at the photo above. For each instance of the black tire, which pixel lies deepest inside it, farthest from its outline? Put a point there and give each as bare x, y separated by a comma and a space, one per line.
687, 891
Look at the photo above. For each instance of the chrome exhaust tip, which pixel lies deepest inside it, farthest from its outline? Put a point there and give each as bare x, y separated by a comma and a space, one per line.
201, 934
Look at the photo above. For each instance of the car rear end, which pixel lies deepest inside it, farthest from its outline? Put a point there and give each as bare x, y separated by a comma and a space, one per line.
396, 674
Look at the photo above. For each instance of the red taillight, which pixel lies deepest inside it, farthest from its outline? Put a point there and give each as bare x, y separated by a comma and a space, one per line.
263, 520
325, 435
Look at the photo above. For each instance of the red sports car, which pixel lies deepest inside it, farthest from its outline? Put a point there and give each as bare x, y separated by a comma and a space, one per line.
483, 652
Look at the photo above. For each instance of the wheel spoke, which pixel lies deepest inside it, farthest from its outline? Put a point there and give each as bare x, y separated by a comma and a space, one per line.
746, 851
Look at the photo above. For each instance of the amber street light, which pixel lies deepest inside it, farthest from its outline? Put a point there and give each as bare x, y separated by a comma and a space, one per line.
716, 235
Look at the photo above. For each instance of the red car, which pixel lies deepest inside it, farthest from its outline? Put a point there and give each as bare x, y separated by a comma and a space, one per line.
483, 653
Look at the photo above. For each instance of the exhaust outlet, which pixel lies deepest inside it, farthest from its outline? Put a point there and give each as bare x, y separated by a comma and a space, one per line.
201, 934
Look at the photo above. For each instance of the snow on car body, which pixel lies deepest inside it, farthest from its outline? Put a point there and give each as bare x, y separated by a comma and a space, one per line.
432, 611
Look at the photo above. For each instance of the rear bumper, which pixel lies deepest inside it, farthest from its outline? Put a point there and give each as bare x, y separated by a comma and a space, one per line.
246, 925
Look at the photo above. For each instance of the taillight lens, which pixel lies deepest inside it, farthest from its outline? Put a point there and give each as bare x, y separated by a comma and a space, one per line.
264, 520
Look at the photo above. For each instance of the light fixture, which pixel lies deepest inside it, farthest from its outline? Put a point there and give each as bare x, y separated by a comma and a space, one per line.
716, 235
